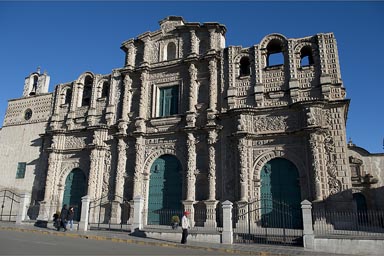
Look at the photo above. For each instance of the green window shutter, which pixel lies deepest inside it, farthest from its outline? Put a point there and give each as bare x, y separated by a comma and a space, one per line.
168, 101
21, 170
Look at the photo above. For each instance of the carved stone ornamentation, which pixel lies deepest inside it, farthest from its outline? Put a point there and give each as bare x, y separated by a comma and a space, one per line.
191, 180
72, 142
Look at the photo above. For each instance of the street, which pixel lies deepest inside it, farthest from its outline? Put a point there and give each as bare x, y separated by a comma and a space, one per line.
25, 243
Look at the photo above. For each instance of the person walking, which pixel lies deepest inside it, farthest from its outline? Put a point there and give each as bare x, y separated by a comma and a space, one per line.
185, 225
71, 215
63, 218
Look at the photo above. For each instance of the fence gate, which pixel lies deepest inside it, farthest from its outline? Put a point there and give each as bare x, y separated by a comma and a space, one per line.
100, 211
10, 202
267, 222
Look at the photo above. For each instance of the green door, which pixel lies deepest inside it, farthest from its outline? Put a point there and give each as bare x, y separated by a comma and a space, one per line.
75, 189
280, 194
165, 190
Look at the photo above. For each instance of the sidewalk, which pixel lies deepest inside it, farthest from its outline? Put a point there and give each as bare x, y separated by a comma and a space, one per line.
124, 237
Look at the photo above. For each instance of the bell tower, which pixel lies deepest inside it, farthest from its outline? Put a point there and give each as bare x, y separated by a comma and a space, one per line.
36, 84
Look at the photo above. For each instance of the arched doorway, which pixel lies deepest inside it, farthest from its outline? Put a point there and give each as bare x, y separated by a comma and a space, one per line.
360, 201
165, 190
280, 194
75, 189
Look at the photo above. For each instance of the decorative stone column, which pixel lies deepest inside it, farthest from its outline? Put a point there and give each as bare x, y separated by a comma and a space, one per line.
126, 104
25, 199
137, 224
308, 236
84, 217
188, 206
194, 45
110, 111
213, 85
119, 181
191, 178
140, 150
131, 54
143, 105
212, 40
147, 50
227, 235
49, 205
211, 202
242, 149
315, 146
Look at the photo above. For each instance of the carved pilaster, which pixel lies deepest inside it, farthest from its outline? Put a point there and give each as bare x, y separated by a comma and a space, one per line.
120, 171
211, 213
213, 84
194, 44
188, 206
147, 51
191, 178
242, 149
212, 40
126, 105
315, 146
330, 149
140, 150
192, 87
131, 55
212, 138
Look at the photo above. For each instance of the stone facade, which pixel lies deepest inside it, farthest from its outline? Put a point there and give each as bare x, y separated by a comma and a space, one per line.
236, 111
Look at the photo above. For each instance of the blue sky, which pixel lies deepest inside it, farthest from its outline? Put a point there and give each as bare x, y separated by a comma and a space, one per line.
68, 38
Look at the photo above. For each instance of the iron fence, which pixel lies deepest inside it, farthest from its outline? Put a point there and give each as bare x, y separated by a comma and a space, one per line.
10, 202
362, 223
100, 214
267, 222
201, 219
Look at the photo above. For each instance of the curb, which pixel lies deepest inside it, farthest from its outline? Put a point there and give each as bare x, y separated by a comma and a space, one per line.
133, 241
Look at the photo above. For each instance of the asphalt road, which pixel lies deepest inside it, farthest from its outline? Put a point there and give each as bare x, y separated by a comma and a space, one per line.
25, 243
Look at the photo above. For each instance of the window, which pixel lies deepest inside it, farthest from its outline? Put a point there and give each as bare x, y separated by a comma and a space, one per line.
87, 91
170, 54
105, 90
275, 55
168, 101
34, 86
21, 170
68, 96
306, 56
245, 66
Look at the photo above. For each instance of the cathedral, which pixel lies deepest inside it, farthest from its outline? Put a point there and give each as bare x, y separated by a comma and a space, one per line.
188, 123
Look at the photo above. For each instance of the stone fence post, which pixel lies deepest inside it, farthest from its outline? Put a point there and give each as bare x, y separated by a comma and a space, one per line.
25, 199
308, 236
227, 235
138, 203
83, 225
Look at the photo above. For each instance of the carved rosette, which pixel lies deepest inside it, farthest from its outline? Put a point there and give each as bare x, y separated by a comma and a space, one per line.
212, 138
191, 178
120, 171
242, 148
213, 84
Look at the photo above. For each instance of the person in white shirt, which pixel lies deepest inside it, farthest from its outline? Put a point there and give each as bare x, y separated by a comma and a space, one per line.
185, 226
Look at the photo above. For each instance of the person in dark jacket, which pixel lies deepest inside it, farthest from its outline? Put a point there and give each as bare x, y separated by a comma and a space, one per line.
63, 218
71, 215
